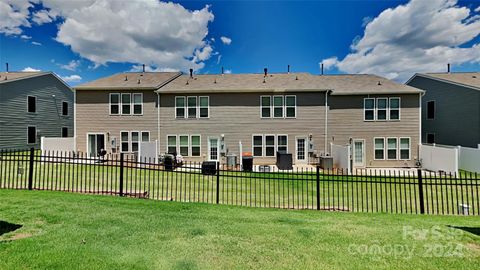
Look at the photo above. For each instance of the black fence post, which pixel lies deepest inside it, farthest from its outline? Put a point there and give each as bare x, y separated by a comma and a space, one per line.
318, 187
121, 174
420, 191
218, 181
30, 169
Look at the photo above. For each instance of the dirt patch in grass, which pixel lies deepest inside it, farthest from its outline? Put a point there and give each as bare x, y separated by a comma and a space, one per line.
19, 236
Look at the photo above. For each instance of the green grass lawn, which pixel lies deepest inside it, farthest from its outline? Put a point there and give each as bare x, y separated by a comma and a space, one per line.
74, 231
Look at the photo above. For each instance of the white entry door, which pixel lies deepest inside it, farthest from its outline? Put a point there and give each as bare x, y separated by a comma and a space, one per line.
301, 150
213, 147
358, 153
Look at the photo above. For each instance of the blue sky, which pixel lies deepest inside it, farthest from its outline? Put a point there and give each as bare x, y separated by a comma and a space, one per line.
85, 40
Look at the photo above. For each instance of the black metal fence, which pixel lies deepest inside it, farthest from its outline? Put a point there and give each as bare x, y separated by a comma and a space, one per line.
416, 192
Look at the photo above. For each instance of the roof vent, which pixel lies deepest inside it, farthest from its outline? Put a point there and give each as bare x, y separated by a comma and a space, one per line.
222, 71
6, 64
296, 78
143, 68
265, 71
379, 83
186, 83
138, 81
215, 81
126, 79
448, 67
473, 76
264, 80
191, 73
288, 69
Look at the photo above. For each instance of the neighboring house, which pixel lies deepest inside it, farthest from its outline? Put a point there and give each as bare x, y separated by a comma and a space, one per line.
33, 105
451, 113
205, 117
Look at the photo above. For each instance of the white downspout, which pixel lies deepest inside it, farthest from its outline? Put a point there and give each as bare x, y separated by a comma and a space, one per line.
158, 122
326, 123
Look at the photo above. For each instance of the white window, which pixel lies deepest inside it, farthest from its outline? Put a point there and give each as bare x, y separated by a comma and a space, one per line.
282, 143
126, 103
394, 109
369, 109
195, 145
114, 103
31, 135
431, 110
278, 106
183, 145
257, 145
192, 107
382, 108
124, 141
405, 148
204, 107
379, 148
392, 148
266, 106
145, 136
31, 104
138, 103
290, 106
269, 145
134, 136
172, 144
180, 107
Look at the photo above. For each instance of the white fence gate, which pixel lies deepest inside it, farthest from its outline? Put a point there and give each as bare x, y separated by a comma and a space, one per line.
148, 152
341, 156
439, 158
469, 159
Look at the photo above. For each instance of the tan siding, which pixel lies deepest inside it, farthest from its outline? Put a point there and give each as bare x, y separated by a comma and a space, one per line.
93, 116
346, 121
237, 116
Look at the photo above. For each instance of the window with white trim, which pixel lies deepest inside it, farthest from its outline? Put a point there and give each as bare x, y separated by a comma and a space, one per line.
394, 111
138, 103
126, 103
114, 103
192, 107
391, 148
172, 144
266, 106
379, 148
195, 145
145, 136
278, 106
31, 104
290, 106
124, 141
269, 145
204, 103
183, 139
369, 109
257, 145
405, 148
134, 136
382, 109
282, 143
180, 107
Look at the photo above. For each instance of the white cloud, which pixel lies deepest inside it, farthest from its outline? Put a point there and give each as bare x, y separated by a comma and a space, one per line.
30, 69
421, 36
36, 43
226, 40
219, 58
228, 71
329, 62
139, 68
25, 37
477, 9
203, 54
43, 16
14, 14
72, 65
72, 78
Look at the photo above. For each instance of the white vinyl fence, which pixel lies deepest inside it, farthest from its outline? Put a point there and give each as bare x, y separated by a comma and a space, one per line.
57, 144
341, 156
439, 158
148, 152
469, 159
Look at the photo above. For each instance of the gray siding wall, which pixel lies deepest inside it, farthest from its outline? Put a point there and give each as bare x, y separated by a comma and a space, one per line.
457, 112
48, 119
346, 121
93, 116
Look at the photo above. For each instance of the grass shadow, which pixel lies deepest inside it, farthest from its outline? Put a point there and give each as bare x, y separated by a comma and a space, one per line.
473, 230
6, 227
